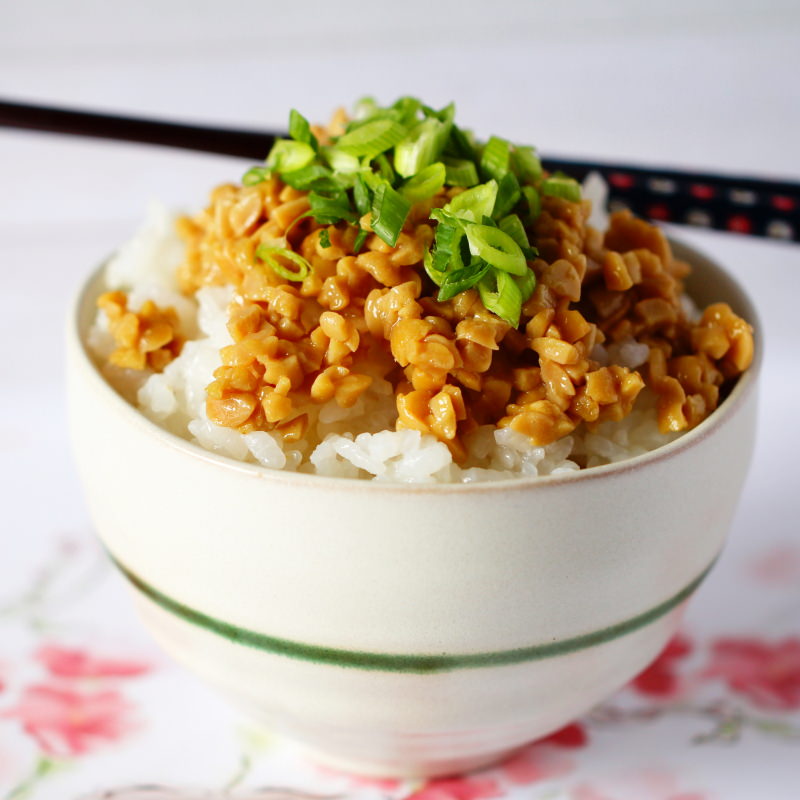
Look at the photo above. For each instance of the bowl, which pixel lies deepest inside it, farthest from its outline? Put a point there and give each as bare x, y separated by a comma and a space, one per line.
405, 630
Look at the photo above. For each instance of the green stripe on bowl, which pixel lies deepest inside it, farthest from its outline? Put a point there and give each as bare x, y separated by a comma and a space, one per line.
399, 662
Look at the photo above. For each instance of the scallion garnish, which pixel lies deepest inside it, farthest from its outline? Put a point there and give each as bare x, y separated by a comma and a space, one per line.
362, 195
385, 169
460, 144
307, 177
436, 275
422, 146
502, 296
560, 185
462, 279
496, 158
448, 241
526, 283
497, 248
526, 163
255, 175
392, 157
508, 194
512, 225
426, 183
534, 203
460, 171
300, 130
389, 212
341, 163
360, 239
474, 204
270, 256
287, 155
327, 210
372, 138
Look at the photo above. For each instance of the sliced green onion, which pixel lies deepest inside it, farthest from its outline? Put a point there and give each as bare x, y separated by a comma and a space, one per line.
508, 194
287, 155
501, 295
460, 172
371, 138
475, 203
385, 169
526, 283
496, 158
362, 195
300, 130
407, 109
360, 239
307, 177
324, 238
446, 114
560, 185
512, 225
426, 183
370, 178
365, 108
526, 163
422, 146
448, 246
340, 162
436, 275
534, 203
496, 247
446, 217
270, 255
255, 175
328, 210
389, 212
462, 279
460, 144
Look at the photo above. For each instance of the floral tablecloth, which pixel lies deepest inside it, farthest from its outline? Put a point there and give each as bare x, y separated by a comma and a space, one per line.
90, 709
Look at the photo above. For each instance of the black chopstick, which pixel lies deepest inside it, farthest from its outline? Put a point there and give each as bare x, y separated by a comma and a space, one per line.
223, 141
740, 204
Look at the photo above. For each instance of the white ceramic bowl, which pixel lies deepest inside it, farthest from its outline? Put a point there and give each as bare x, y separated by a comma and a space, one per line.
409, 630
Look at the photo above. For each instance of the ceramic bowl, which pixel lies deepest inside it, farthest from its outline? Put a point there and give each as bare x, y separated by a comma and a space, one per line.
409, 630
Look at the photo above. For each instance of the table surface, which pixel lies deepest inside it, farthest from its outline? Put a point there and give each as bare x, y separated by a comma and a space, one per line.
88, 705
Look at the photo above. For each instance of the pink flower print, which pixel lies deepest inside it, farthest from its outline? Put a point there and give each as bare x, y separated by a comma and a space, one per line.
646, 784
780, 565
535, 763
570, 736
585, 791
64, 662
767, 674
469, 788
360, 781
69, 723
661, 678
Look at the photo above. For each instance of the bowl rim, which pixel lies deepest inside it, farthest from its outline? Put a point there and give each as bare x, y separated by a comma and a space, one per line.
745, 385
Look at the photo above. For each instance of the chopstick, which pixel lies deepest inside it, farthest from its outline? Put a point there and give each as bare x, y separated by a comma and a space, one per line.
223, 141
739, 204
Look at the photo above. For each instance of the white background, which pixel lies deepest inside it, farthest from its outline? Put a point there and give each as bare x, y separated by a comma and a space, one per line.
695, 84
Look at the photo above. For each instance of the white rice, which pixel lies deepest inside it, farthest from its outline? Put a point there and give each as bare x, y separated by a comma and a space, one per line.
359, 442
